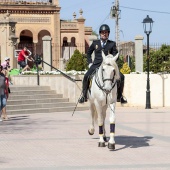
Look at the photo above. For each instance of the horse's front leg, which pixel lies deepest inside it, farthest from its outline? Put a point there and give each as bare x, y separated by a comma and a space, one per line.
111, 143
93, 117
104, 117
100, 124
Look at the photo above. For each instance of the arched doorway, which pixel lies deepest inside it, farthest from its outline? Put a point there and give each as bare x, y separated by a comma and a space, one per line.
68, 48
26, 39
39, 45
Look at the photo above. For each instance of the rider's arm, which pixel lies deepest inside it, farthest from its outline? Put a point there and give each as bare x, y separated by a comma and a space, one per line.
89, 53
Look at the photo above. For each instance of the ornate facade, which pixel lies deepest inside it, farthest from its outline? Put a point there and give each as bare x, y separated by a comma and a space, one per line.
34, 19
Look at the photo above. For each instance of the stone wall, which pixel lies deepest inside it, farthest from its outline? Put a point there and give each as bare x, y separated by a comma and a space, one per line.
134, 91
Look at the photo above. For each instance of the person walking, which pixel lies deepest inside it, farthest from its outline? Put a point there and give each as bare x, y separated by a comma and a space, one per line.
23, 55
6, 64
3, 87
4, 113
108, 47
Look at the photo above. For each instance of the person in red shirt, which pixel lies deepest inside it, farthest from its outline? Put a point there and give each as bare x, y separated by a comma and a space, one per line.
23, 55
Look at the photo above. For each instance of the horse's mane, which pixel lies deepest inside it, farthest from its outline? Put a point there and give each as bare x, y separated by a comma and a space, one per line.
109, 60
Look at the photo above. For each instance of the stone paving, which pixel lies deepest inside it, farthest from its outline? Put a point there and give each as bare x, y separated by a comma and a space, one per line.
59, 141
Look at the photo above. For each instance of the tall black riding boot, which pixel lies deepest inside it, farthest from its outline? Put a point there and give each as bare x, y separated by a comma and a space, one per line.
120, 92
83, 98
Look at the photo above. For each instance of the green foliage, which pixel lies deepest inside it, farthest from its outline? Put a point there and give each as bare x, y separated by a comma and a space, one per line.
77, 62
121, 62
132, 67
125, 69
94, 33
159, 61
34, 68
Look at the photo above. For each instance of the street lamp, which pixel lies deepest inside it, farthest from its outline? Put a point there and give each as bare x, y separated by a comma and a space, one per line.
147, 26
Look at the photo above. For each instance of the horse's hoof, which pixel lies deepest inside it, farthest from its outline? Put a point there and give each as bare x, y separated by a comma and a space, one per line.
101, 144
111, 146
90, 133
105, 138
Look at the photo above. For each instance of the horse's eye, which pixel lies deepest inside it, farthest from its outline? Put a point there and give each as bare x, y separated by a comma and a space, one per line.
102, 69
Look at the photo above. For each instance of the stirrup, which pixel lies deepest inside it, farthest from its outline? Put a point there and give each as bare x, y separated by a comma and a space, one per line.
122, 100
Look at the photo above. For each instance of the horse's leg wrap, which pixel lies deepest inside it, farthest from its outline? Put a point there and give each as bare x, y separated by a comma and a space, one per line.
112, 133
100, 130
101, 134
112, 128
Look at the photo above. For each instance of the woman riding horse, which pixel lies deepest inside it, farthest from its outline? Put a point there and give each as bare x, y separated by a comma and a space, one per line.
108, 47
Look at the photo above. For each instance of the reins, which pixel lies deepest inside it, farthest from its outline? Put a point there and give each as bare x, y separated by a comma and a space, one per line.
97, 81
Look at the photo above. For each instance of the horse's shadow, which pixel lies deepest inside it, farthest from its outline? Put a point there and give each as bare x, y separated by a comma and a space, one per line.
131, 141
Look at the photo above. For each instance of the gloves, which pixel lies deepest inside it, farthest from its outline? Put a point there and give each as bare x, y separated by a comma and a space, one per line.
90, 65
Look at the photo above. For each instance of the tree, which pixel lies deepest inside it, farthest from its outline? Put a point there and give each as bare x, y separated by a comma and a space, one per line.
77, 62
94, 33
125, 69
159, 60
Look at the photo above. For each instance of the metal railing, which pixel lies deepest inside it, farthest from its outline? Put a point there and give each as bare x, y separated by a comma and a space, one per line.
62, 73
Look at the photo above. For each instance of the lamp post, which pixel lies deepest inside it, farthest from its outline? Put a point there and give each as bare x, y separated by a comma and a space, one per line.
147, 26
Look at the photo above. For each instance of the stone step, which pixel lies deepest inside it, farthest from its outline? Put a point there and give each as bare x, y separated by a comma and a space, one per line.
47, 110
26, 97
28, 88
32, 92
36, 101
39, 105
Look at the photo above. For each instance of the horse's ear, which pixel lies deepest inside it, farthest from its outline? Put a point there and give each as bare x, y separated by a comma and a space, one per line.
116, 57
103, 55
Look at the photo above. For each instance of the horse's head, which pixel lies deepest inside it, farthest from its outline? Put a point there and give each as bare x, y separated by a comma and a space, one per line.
110, 60
109, 71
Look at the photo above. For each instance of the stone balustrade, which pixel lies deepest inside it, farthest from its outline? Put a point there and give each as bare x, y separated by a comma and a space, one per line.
25, 2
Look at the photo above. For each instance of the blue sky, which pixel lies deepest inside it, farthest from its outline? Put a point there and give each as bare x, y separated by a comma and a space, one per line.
96, 11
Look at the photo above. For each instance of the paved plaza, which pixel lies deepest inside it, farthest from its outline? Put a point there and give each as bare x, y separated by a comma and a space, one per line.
60, 141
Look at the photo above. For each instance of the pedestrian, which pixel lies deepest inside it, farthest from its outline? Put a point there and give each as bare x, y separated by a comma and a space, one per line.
4, 114
24, 55
3, 87
6, 64
97, 46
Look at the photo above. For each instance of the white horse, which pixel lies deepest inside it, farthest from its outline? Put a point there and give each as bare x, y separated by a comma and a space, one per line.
103, 93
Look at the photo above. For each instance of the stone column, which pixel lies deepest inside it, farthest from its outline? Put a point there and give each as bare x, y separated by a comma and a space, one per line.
81, 28
8, 39
139, 53
47, 55
56, 39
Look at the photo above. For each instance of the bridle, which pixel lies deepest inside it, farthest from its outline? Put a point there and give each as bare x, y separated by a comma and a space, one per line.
97, 81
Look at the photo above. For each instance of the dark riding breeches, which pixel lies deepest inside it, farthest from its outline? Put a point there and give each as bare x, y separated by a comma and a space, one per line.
86, 78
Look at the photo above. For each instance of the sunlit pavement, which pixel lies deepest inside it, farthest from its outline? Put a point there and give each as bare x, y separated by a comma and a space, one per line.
57, 141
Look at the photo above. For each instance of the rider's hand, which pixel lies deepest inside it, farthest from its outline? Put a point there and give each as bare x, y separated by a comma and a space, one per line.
90, 65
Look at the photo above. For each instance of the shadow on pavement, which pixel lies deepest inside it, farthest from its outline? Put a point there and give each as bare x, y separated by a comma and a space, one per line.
132, 141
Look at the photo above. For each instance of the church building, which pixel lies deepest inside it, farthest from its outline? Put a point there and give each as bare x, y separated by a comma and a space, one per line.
30, 22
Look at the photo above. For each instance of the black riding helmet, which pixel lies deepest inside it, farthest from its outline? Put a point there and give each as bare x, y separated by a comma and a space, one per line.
104, 27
